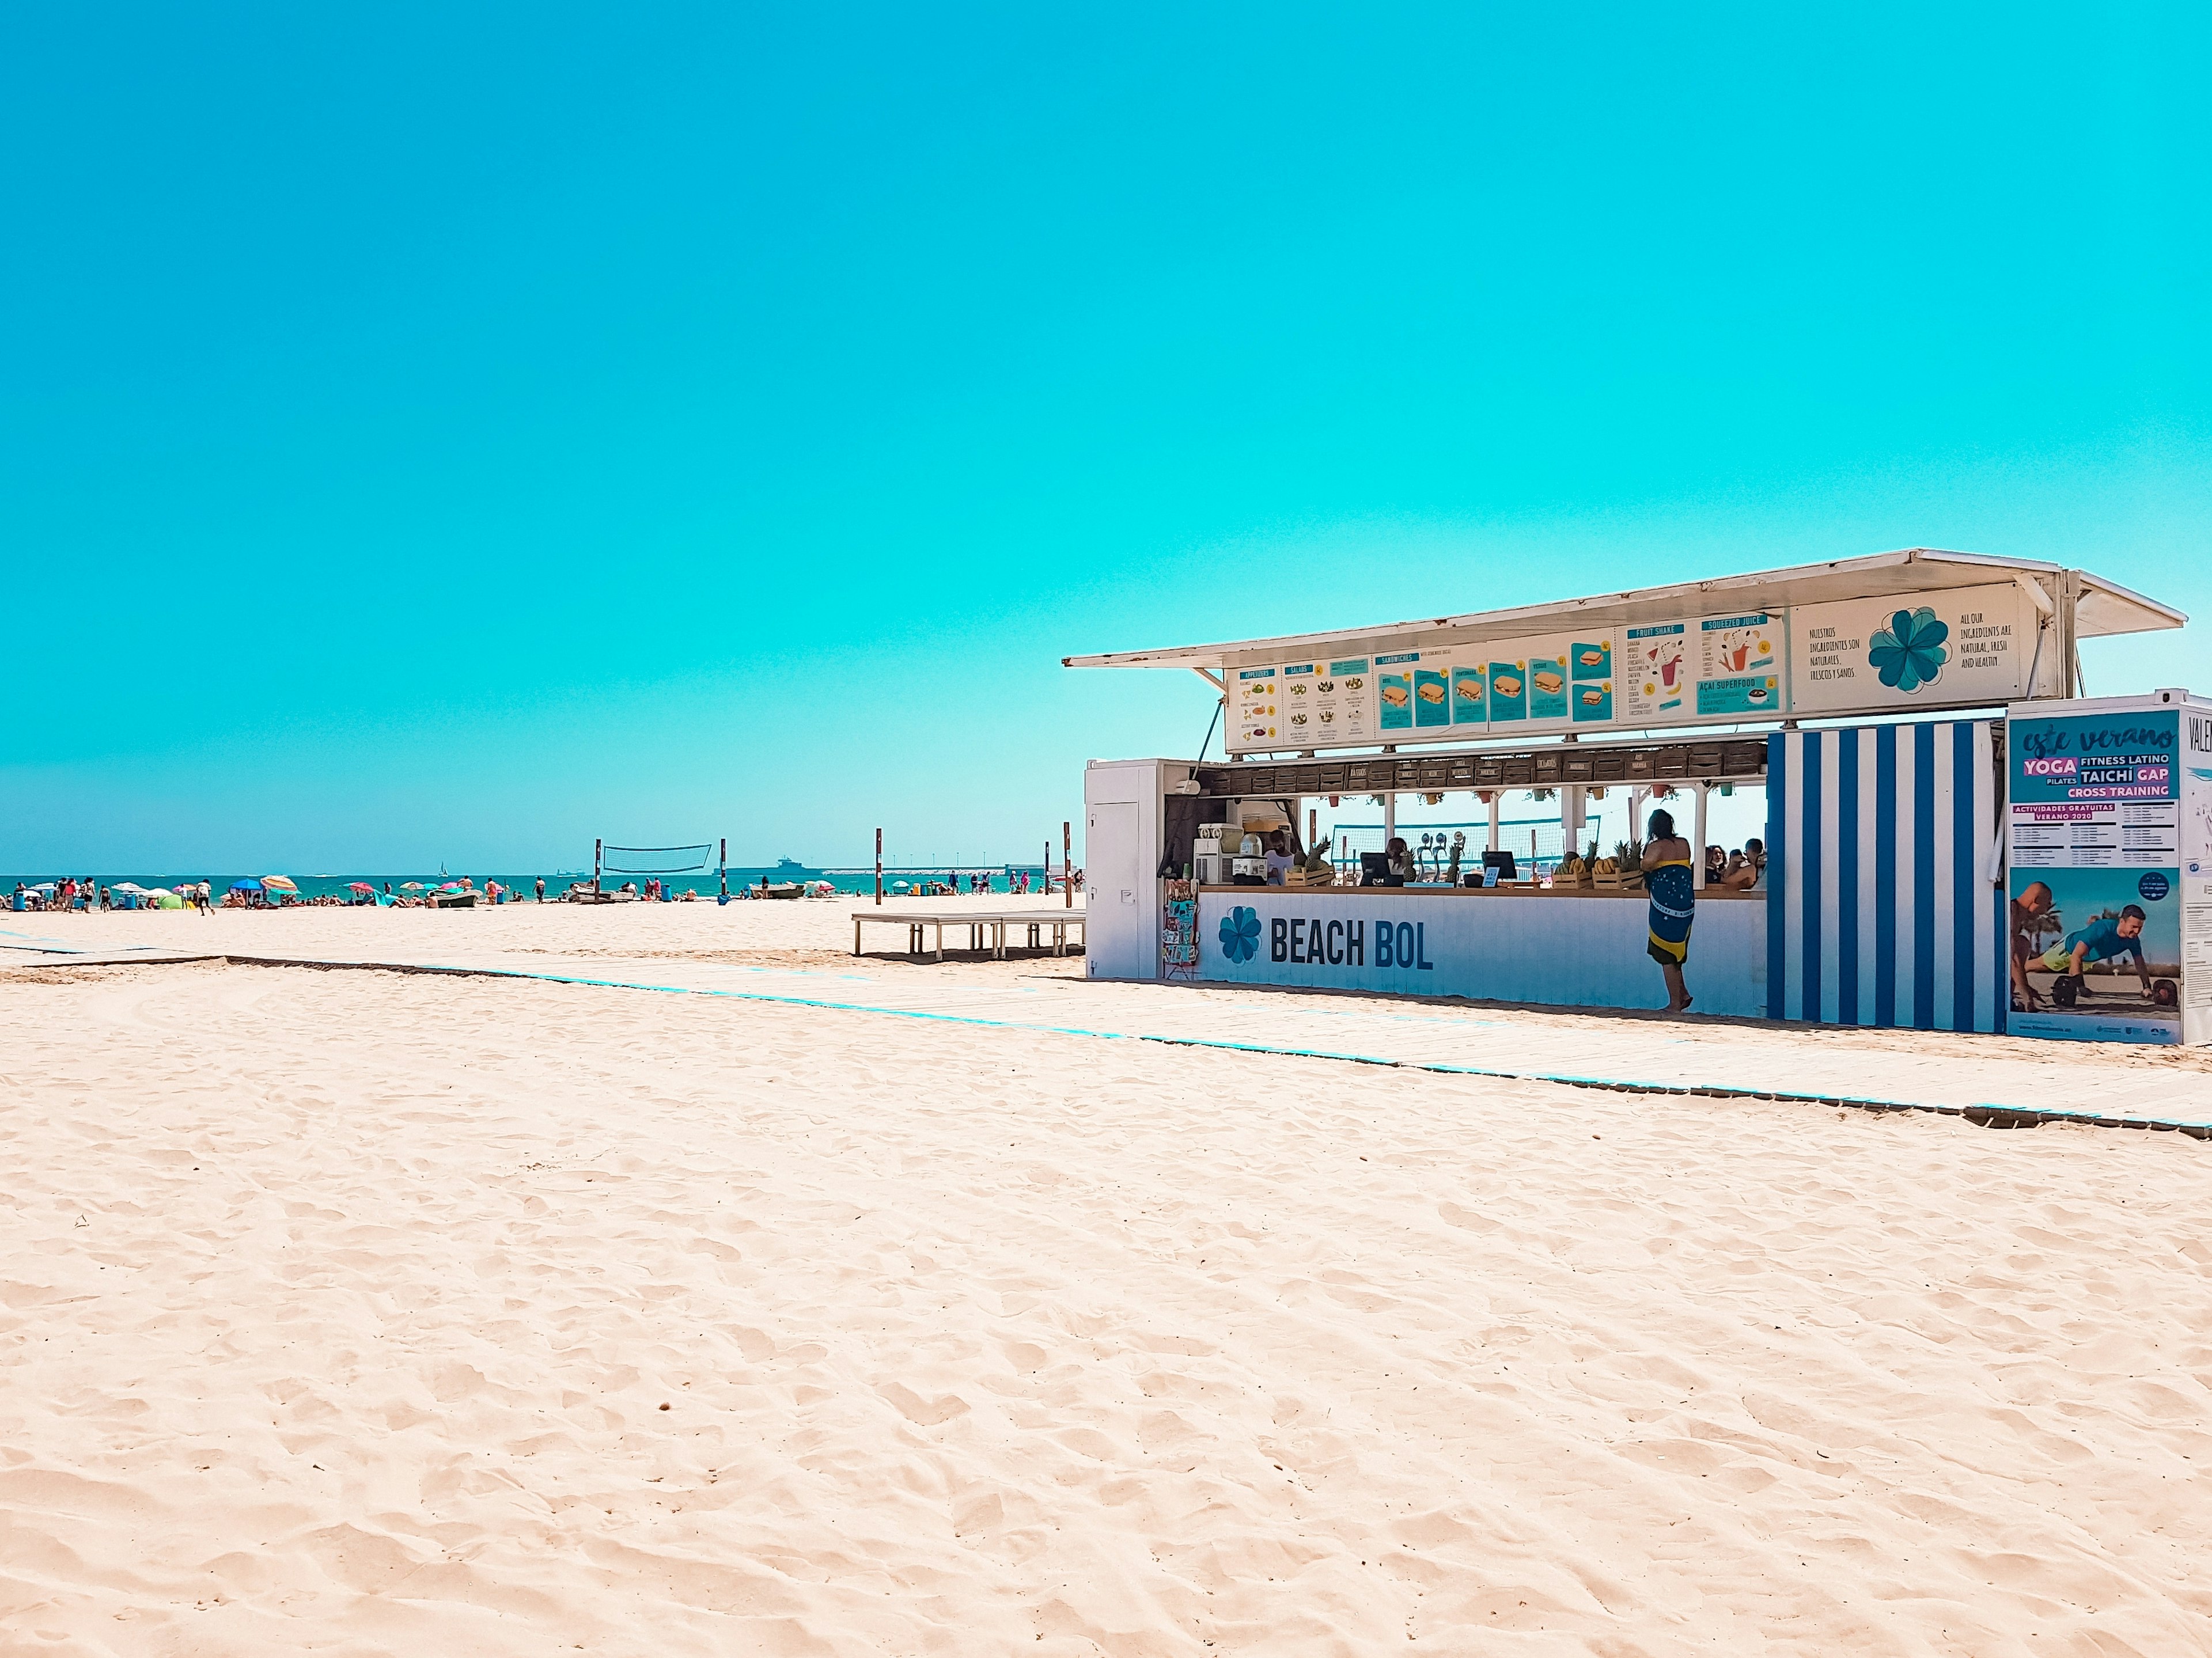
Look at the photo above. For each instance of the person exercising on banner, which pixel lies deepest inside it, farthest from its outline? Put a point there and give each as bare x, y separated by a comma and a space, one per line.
2106, 936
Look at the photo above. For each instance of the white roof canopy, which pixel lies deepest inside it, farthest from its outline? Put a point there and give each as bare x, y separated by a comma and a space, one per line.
2104, 607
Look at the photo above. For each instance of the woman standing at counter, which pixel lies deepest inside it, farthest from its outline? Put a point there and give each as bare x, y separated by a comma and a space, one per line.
1672, 884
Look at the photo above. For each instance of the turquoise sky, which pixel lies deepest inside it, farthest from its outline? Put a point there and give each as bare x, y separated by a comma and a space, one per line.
450, 433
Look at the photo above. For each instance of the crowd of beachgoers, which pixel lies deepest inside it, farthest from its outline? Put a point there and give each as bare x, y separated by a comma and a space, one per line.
263, 892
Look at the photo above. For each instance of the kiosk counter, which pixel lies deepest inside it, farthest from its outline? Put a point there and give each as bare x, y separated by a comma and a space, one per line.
1570, 947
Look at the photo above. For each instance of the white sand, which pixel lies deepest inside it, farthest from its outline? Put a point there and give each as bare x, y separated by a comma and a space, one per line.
337, 1310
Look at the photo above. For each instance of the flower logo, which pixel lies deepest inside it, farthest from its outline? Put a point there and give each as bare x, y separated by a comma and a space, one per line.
1909, 653
1240, 934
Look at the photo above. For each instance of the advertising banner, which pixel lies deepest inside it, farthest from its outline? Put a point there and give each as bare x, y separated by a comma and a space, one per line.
1955, 649
2094, 873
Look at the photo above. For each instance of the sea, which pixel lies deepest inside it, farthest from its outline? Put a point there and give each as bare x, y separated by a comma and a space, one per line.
706, 884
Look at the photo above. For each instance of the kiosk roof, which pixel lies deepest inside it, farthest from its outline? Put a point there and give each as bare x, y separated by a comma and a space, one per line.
2104, 607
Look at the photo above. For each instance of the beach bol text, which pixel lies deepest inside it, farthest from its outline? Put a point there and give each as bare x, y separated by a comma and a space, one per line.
1338, 943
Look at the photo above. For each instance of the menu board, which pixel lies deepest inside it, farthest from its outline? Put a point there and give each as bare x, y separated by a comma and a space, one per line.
1258, 718
1655, 674
1968, 647
1470, 695
1737, 670
1394, 674
1344, 701
1590, 662
1964, 648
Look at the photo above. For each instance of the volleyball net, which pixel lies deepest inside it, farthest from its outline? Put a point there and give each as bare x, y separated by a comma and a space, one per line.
654, 860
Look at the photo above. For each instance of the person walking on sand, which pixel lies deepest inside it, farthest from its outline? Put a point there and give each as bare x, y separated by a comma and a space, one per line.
1671, 881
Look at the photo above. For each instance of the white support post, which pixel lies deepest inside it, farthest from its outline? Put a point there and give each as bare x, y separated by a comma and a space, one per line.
1389, 815
1698, 839
1497, 809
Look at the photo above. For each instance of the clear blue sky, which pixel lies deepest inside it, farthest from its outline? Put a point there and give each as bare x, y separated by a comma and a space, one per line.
444, 432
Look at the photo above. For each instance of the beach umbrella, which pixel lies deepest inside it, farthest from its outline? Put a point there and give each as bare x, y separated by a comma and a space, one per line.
126, 886
450, 886
278, 883
411, 886
245, 886
359, 886
153, 892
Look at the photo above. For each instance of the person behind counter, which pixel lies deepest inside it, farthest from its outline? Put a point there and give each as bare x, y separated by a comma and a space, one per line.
1398, 862
1746, 869
1670, 878
1279, 856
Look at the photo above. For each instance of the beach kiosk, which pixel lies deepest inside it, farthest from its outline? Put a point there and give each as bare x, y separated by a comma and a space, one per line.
1870, 697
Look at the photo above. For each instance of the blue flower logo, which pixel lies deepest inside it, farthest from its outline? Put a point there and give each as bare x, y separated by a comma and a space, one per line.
1240, 934
1909, 653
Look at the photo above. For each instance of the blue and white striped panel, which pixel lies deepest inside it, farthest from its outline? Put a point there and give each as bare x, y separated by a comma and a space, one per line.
1882, 868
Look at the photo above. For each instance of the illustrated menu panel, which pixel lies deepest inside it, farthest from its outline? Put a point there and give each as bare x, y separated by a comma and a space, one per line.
1655, 673
1394, 674
1739, 671
1258, 707
1343, 700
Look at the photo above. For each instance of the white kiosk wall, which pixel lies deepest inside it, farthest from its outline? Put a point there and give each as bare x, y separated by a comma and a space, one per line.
1122, 821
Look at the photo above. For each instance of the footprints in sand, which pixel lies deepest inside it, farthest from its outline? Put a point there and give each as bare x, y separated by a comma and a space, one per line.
965, 1341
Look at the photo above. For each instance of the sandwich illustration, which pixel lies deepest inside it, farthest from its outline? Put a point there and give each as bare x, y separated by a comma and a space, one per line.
1471, 690
1432, 693
1394, 695
1549, 680
1506, 685
1591, 659
1592, 696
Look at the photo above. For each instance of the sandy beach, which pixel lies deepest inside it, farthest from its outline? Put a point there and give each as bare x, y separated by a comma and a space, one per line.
367, 1312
